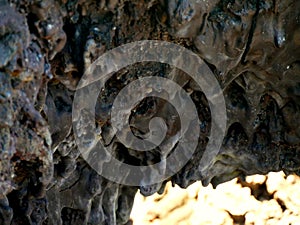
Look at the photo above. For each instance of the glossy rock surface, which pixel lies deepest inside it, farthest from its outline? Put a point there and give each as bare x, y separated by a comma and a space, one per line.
252, 47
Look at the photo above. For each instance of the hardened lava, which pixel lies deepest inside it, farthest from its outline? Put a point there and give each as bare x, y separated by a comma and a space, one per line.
252, 48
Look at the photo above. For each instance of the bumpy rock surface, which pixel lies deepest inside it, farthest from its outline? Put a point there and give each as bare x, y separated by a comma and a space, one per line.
259, 199
252, 47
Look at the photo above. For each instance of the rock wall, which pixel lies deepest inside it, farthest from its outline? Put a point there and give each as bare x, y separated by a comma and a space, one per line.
252, 47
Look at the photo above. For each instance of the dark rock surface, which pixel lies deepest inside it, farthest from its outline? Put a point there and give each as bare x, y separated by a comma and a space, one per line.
252, 47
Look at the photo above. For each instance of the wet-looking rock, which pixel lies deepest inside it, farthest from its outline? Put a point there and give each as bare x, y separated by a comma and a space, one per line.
252, 48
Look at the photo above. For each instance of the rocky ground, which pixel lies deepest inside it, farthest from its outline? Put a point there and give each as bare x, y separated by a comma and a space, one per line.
271, 199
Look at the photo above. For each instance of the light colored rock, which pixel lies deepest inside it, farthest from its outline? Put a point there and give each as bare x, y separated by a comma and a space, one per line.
198, 205
289, 218
267, 210
207, 214
275, 181
256, 179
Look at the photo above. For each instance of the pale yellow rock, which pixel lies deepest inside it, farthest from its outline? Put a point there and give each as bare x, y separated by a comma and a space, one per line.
194, 189
177, 215
171, 201
271, 222
208, 215
256, 179
268, 210
288, 193
233, 198
275, 181
198, 205
289, 218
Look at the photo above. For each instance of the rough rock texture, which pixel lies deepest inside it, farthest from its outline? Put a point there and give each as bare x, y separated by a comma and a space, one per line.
252, 47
